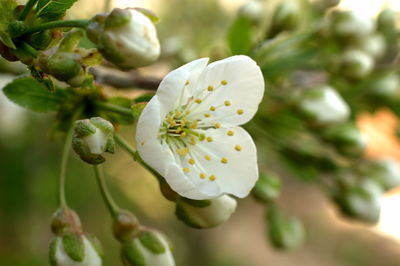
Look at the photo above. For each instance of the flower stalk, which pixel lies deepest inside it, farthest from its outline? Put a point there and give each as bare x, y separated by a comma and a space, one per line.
28, 7
105, 193
114, 108
79, 23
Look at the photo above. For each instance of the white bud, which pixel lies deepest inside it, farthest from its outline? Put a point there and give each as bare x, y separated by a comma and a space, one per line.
387, 172
149, 247
207, 213
386, 86
356, 64
126, 37
92, 138
324, 105
253, 10
374, 45
60, 257
350, 25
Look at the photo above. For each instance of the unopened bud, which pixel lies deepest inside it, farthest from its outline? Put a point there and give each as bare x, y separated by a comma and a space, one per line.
126, 37
40, 40
374, 45
74, 249
362, 201
267, 188
349, 26
93, 137
148, 247
386, 172
323, 105
387, 21
284, 232
356, 64
205, 213
252, 10
347, 138
386, 86
286, 17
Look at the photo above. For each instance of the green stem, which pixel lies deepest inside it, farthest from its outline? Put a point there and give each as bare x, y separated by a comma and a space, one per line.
128, 148
28, 7
29, 49
111, 205
107, 5
63, 168
114, 108
58, 24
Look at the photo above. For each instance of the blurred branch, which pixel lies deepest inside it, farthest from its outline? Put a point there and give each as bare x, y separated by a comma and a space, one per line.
127, 81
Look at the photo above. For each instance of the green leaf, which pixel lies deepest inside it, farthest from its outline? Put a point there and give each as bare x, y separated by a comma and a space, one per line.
6, 39
28, 92
240, 36
53, 9
7, 8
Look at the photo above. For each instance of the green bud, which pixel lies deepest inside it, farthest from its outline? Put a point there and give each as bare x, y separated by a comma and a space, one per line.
267, 188
73, 249
148, 247
205, 213
356, 64
17, 28
323, 105
387, 21
253, 10
286, 17
385, 171
284, 232
93, 137
347, 139
40, 40
374, 45
125, 37
362, 201
349, 26
125, 225
386, 86
63, 66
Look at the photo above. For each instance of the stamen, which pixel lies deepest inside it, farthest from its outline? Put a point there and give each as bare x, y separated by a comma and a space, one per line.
212, 177
240, 111
186, 170
217, 125
191, 161
224, 160
224, 82
198, 101
230, 133
187, 82
213, 108
202, 175
208, 158
238, 148
207, 115
227, 103
210, 88
209, 139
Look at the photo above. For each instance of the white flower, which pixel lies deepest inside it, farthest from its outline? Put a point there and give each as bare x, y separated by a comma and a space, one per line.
213, 213
91, 257
189, 132
325, 105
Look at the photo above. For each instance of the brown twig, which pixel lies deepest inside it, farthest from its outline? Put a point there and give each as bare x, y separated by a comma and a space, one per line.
126, 80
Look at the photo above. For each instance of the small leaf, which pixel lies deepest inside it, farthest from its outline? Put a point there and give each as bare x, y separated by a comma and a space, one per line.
28, 92
53, 9
240, 36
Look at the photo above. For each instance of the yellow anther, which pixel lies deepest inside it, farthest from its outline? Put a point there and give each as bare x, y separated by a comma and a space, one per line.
185, 150
183, 134
202, 137
213, 108
193, 140
178, 130
224, 82
194, 124
186, 170
202, 175
191, 161
224, 160
207, 115
198, 100
217, 125
172, 123
187, 112
210, 88
240, 111
208, 158
227, 103
209, 139
238, 148
178, 113
187, 82
230, 133
212, 177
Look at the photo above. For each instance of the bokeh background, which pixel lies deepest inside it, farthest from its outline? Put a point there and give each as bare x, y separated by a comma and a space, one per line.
29, 161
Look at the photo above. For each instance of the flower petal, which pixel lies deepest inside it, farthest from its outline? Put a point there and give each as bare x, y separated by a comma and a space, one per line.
174, 86
236, 89
228, 157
